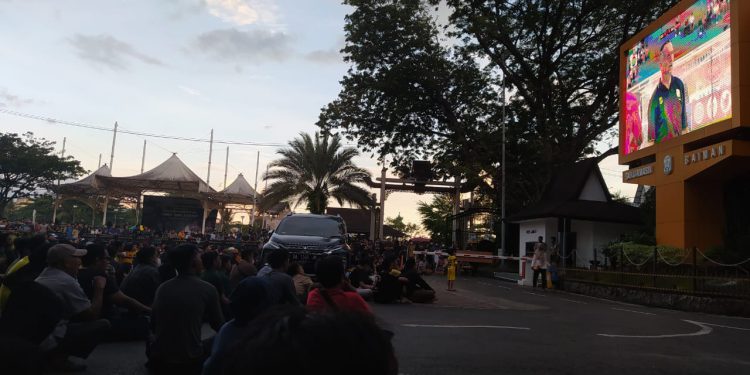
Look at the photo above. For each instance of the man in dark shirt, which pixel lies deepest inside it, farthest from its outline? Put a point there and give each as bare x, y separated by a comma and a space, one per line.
281, 285
178, 312
667, 109
141, 283
124, 326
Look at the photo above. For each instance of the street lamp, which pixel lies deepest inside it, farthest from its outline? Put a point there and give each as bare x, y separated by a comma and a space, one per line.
74, 213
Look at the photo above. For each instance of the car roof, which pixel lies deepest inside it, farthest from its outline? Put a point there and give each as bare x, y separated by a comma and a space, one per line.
333, 217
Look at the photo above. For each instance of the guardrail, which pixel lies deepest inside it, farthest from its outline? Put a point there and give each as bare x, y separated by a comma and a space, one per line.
735, 287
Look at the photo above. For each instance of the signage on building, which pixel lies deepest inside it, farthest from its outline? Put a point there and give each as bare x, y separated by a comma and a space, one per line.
668, 165
712, 152
638, 172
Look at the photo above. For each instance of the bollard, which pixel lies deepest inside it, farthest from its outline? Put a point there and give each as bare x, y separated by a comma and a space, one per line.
653, 272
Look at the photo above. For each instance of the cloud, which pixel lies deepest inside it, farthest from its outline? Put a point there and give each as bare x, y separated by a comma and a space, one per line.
190, 90
108, 51
253, 46
8, 99
324, 56
243, 12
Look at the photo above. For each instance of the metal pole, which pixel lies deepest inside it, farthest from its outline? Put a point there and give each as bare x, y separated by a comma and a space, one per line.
100, 162
62, 155
502, 194
255, 192
264, 190
210, 152
226, 168
382, 201
372, 218
54, 211
33, 217
112, 153
456, 204
143, 158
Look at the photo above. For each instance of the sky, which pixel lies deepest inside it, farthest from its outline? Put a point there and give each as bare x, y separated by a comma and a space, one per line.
254, 71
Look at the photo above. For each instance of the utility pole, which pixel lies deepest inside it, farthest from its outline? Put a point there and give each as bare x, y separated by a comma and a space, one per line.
255, 192
143, 158
210, 152
264, 189
62, 154
100, 162
382, 200
502, 199
226, 168
112, 153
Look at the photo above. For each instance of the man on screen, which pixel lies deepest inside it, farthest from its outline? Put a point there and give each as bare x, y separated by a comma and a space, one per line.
667, 110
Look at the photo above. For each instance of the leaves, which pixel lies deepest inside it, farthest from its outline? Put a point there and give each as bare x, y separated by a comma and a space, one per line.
28, 165
397, 223
313, 170
434, 218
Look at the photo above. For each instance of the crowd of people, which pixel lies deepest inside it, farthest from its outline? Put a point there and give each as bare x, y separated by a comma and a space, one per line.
61, 297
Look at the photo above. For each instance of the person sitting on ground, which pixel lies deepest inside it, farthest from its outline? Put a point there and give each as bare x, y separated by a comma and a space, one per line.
391, 285
281, 284
360, 279
249, 299
18, 272
80, 330
245, 267
125, 260
213, 275
142, 282
417, 290
335, 294
292, 341
178, 312
302, 282
124, 326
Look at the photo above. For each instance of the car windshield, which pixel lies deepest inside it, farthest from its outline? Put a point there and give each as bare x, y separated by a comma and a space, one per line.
311, 226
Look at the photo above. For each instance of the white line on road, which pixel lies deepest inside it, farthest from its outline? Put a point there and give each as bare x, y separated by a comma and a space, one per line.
504, 287
633, 311
730, 327
574, 301
536, 294
705, 330
451, 326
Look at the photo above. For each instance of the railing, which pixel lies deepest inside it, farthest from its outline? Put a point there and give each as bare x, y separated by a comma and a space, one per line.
667, 270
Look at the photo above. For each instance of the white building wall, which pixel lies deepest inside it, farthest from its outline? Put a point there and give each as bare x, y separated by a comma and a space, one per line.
596, 235
593, 190
531, 230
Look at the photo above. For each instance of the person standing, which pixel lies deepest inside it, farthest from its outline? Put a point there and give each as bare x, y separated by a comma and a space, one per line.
452, 265
539, 262
178, 312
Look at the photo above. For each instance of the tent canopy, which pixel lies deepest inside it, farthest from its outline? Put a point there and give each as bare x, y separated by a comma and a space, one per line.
86, 186
238, 192
170, 176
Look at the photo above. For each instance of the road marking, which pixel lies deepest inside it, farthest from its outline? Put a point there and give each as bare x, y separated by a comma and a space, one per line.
633, 311
604, 300
536, 294
504, 287
451, 326
730, 327
574, 301
705, 330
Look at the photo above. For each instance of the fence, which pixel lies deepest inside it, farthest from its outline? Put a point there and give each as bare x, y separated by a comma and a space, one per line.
668, 270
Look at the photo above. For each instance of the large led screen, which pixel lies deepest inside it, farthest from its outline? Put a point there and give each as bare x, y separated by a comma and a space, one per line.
678, 79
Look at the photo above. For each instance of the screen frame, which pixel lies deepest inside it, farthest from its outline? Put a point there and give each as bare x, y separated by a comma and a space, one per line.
698, 134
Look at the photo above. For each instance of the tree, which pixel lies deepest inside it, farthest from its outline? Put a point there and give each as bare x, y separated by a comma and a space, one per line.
412, 95
314, 170
28, 165
435, 218
398, 223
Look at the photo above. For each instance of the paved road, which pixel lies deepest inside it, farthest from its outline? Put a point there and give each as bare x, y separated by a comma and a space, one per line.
491, 327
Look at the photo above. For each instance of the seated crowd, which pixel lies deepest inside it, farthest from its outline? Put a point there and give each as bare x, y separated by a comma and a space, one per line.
60, 300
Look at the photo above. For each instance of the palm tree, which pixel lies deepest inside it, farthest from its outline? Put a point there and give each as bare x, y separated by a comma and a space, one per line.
313, 170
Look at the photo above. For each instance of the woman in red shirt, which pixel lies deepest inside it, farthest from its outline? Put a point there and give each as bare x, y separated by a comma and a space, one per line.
335, 295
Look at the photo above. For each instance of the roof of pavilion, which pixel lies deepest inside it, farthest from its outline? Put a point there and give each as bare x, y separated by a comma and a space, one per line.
171, 176
238, 192
86, 186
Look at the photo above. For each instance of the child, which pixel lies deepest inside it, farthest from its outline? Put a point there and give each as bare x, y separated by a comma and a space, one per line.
452, 264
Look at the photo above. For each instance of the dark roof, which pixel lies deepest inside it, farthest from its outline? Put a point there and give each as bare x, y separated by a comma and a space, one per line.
358, 221
561, 198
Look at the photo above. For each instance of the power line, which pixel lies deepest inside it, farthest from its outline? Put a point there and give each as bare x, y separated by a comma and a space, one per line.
133, 132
